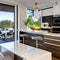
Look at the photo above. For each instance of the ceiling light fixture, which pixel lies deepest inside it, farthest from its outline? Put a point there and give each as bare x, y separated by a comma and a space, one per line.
36, 6
55, 2
36, 12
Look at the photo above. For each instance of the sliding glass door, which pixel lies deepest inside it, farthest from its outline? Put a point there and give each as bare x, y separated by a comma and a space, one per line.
8, 21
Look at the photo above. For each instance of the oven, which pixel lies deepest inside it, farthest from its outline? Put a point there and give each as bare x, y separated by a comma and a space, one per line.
56, 25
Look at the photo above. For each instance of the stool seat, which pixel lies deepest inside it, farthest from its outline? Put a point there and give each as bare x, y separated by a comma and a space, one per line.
23, 35
37, 38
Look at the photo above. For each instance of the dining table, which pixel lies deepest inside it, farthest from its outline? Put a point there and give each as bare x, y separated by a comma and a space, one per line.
5, 32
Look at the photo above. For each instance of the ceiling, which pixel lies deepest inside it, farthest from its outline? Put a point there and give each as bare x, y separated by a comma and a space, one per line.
42, 4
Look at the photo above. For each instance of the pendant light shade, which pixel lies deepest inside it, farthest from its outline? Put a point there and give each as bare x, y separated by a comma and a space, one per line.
36, 12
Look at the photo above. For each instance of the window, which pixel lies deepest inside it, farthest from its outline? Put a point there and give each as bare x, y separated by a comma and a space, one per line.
30, 12
6, 20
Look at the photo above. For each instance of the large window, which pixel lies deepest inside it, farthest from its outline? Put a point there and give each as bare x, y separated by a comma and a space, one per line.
33, 13
6, 16
6, 20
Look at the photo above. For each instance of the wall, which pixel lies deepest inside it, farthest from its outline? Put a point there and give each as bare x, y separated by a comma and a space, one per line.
21, 12
22, 17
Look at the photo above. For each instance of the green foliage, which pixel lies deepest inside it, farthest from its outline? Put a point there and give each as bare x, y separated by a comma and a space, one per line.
6, 24
31, 23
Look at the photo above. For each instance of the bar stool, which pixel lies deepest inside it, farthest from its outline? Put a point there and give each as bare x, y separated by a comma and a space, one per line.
23, 36
36, 38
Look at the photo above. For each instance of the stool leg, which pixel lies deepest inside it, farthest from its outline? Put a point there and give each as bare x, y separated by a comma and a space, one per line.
36, 43
23, 40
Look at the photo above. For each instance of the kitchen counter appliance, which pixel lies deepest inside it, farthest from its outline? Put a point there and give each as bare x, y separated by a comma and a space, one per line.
56, 24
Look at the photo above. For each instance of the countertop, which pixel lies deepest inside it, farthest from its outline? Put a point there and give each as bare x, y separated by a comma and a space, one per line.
27, 52
42, 32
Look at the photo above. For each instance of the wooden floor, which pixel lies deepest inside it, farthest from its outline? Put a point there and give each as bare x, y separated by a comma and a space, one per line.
54, 58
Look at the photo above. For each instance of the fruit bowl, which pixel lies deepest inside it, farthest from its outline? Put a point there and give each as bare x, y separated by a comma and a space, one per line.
36, 28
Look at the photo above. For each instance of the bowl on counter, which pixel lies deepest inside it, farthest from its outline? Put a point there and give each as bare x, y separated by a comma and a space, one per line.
36, 28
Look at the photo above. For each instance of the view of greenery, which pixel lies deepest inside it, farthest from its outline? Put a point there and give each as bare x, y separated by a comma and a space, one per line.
6, 24
31, 23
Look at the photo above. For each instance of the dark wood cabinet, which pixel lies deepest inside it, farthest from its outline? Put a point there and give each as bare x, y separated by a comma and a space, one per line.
29, 41
52, 44
17, 57
49, 43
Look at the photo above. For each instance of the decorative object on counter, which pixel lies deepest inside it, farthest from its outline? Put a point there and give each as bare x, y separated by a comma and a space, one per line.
46, 24
34, 25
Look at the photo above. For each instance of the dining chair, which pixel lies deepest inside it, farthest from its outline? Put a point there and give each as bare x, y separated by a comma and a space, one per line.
1, 35
10, 34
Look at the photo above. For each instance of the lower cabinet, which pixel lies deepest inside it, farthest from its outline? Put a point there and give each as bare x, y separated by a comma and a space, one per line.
52, 44
17, 57
29, 41
54, 49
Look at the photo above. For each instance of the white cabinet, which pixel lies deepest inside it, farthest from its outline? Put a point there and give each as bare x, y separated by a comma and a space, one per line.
56, 10
47, 12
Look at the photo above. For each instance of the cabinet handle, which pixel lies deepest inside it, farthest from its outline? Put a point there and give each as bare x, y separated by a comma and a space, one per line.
52, 44
52, 39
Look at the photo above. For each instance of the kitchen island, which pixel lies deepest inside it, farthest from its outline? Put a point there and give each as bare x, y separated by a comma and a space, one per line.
27, 52
51, 41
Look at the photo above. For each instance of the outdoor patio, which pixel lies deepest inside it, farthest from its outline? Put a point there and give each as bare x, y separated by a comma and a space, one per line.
7, 40
6, 36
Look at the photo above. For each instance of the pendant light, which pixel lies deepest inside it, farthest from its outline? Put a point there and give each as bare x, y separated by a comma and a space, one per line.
36, 12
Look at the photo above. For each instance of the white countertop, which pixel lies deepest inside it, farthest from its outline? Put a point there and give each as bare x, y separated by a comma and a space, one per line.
27, 52
42, 32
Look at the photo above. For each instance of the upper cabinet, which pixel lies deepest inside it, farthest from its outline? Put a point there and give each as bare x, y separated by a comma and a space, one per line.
47, 12
56, 10
56, 7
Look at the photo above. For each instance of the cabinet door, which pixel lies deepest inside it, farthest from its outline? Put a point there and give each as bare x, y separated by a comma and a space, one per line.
47, 12
56, 10
52, 44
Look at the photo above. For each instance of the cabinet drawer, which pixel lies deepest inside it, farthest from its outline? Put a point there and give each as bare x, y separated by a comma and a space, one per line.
54, 49
52, 46
53, 41
52, 37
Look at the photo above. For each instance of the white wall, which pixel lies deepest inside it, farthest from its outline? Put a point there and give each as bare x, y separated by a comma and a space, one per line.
22, 17
21, 12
